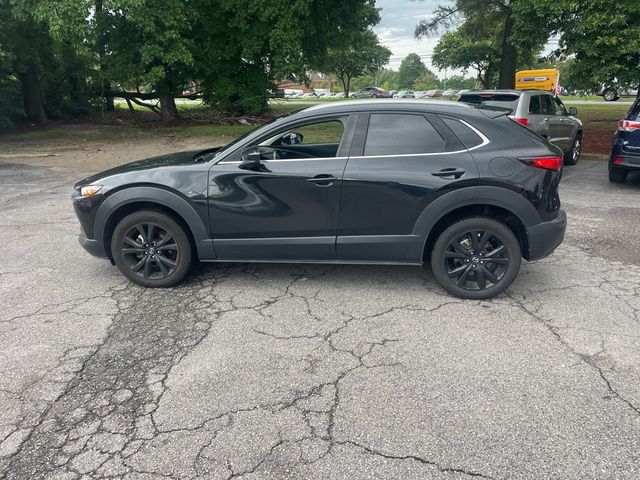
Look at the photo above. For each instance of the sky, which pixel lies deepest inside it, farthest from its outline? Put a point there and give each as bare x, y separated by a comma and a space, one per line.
398, 22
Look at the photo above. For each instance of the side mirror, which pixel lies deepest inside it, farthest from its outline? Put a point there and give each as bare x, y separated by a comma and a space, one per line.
573, 111
250, 157
291, 138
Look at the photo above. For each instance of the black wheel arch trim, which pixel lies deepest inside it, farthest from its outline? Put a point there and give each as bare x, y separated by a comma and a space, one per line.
162, 198
478, 195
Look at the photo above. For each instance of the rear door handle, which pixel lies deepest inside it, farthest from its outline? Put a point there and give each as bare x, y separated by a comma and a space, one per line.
449, 172
323, 180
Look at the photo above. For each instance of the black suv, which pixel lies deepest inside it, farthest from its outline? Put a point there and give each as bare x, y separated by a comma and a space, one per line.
625, 152
387, 182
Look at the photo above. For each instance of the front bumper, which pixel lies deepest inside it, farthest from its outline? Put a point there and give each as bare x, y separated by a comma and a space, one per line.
92, 246
545, 237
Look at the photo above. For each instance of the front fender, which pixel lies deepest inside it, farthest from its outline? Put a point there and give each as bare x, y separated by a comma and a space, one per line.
163, 198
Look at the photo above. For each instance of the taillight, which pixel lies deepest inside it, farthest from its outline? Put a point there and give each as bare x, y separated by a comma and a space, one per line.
548, 163
628, 126
520, 120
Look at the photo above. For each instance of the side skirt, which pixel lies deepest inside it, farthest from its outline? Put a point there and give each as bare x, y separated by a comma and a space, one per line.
318, 262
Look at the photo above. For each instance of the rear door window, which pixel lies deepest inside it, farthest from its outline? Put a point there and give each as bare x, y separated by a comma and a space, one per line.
401, 134
534, 105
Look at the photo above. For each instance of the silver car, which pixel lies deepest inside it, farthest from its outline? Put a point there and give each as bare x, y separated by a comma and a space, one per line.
541, 111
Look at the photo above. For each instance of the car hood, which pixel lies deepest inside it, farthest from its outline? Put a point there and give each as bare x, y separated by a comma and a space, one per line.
169, 160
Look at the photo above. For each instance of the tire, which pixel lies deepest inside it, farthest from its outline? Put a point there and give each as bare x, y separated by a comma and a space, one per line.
499, 244
617, 176
573, 155
151, 249
610, 95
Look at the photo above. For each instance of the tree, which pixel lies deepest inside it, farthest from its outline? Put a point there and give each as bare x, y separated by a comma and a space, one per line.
602, 38
497, 24
150, 45
243, 47
362, 53
411, 68
427, 81
457, 50
45, 55
459, 82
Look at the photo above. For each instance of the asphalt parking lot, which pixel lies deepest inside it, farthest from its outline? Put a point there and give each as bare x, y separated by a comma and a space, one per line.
281, 371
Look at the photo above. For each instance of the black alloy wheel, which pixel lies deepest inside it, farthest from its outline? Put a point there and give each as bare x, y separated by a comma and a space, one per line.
151, 249
476, 258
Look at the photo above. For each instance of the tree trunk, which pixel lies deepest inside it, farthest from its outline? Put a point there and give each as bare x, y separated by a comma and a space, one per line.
32, 95
168, 108
508, 58
102, 49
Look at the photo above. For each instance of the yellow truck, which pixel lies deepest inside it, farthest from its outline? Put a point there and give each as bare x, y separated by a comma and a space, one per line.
546, 79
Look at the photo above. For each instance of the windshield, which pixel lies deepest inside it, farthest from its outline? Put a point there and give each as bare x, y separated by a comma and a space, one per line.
251, 132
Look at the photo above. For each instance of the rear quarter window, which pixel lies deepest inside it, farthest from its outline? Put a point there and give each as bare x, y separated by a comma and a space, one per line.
468, 137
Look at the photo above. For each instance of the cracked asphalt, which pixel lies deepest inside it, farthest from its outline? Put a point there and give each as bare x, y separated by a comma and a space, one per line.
304, 372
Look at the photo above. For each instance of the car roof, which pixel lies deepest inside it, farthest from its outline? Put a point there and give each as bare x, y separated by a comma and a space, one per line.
389, 104
487, 92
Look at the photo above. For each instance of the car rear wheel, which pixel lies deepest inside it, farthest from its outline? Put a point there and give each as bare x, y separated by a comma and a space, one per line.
610, 95
476, 258
151, 249
573, 155
617, 176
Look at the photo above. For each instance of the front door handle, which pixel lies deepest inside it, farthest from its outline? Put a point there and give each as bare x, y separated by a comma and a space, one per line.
449, 172
323, 180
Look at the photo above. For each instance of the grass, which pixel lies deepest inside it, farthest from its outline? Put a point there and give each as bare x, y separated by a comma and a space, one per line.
205, 122
200, 121
600, 117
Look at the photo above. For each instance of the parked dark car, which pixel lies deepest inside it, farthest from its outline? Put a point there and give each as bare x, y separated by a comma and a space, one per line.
625, 153
542, 112
399, 182
371, 92
611, 93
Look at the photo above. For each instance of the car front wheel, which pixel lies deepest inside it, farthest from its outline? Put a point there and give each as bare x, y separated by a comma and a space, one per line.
476, 258
151, 249
610, 95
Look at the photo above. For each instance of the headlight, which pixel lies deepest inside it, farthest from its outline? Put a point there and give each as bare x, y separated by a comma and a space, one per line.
90, 190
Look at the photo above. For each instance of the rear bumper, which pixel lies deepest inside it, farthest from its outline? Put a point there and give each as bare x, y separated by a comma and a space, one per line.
545, 237
92, 246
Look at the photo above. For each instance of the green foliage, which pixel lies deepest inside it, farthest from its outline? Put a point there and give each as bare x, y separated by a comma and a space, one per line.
459, 82
411, 68
244, 46
460, 51
427, 81
355, 55
604, 39
494, 37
